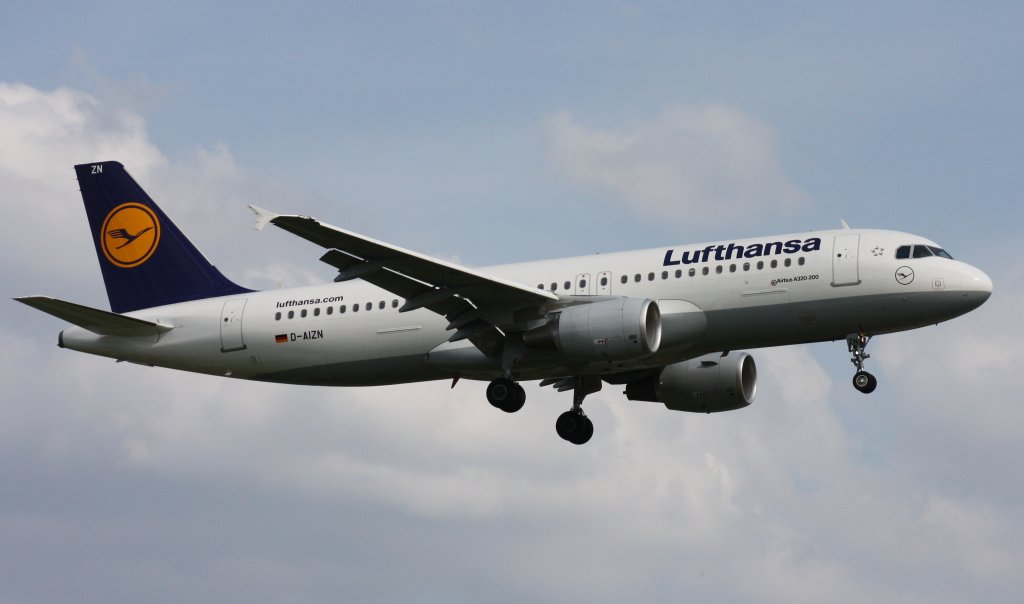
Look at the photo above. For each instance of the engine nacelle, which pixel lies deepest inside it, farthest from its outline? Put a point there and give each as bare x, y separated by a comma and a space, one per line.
613, 330
708, 384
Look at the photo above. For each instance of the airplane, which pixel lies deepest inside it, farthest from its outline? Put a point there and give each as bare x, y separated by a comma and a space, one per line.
665, 323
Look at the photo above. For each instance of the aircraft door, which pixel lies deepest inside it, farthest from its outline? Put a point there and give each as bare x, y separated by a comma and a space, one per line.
844, 260
604, 284
582, 285
231, 326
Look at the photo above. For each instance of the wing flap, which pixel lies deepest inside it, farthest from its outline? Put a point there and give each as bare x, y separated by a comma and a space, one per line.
98, 321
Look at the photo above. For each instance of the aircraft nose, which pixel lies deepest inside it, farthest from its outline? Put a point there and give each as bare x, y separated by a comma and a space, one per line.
977, 286
986, 283
980, 282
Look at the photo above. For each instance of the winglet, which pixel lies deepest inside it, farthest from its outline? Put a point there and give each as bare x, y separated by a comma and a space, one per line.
263, 217
846, 227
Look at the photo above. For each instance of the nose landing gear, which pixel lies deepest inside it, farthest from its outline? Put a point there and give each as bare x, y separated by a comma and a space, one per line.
862, 380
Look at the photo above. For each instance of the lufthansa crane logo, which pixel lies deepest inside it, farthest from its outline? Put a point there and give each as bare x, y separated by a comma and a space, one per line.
904, 275
130, 235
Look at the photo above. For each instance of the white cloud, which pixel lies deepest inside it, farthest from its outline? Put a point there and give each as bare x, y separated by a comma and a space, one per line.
961, 379
44, 133
691, 164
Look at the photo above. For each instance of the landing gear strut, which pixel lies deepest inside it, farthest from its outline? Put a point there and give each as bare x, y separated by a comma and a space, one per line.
506, 395
862, 380
574, 425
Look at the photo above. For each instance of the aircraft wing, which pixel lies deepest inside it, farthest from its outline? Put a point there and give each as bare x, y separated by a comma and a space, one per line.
475, 304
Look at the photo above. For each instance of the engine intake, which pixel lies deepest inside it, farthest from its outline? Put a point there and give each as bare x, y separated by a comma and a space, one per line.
708, 384
615, 329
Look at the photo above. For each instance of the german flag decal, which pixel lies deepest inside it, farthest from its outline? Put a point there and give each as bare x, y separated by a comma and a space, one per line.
281, 338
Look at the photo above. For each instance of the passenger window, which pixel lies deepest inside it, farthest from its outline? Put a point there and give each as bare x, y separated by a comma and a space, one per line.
650, 276
583, 283
394, 304
732, 268
291, 314
540, 286
624, 279
903, 252
636, 277
693, 272
330, 310
718, 269
679, 273
568, 285
704, 271
664, 275
788, 262
303, 313
922, 251
554, 286
277, 316
760, 265
341, 309
800, 260
381, 305
604, 281
355, 308
774, 263
746, 266
369, 306
316, 312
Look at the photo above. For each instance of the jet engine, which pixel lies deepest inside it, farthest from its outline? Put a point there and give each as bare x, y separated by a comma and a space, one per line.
613, 330
707, 384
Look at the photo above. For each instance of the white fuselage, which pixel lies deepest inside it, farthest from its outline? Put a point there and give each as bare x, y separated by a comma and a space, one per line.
752, 294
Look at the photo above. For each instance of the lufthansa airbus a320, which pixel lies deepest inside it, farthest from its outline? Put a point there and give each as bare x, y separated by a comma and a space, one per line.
664, 323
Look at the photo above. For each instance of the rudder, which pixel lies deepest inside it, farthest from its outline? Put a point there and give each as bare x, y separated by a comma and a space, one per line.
145, 259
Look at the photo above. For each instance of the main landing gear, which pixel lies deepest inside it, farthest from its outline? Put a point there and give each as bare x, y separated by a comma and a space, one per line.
862, 380
574, 425
506, 395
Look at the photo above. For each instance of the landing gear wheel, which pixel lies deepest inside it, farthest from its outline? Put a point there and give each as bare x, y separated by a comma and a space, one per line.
864, 382
574, 427
506, 395
516, 402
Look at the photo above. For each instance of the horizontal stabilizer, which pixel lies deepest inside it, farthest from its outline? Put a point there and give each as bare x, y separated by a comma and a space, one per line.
98, 321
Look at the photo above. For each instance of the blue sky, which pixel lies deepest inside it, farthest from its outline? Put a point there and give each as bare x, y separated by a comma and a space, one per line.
489, 133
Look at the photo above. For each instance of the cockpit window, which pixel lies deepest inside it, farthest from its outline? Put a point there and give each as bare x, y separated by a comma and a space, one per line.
920, 251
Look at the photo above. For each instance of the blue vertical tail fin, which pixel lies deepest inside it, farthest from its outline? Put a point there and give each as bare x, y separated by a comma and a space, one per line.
145, 259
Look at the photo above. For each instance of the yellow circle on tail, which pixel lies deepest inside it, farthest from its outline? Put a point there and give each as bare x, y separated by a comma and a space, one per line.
129, 235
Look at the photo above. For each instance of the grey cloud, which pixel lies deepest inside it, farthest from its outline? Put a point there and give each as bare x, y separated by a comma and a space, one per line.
124, 483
